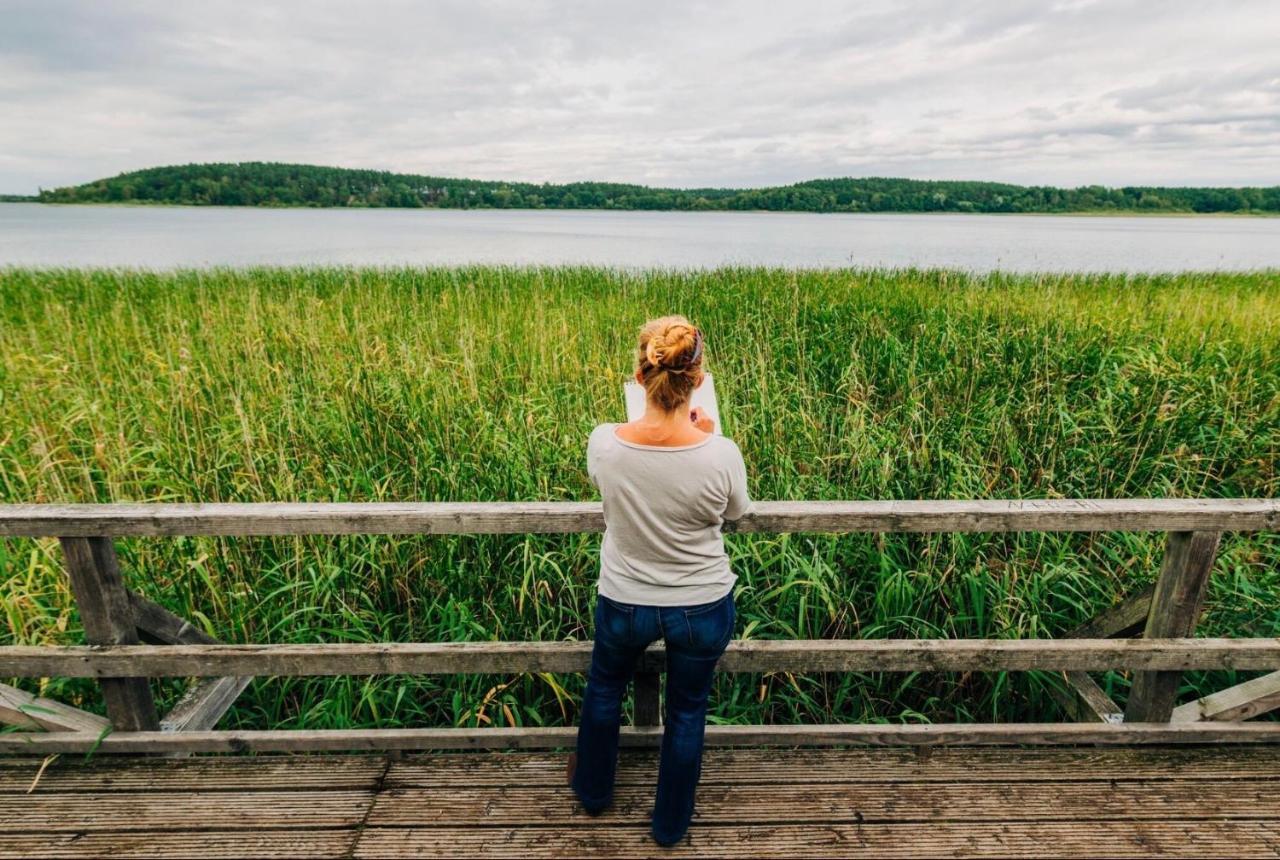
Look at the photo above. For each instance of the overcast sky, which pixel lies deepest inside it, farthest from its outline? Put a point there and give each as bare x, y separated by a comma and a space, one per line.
680, 94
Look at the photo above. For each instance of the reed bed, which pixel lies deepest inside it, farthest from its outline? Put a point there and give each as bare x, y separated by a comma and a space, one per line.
483, 383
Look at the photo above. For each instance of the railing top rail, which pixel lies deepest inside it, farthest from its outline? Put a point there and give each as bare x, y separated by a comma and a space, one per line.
296, 518
744, 655
551, 517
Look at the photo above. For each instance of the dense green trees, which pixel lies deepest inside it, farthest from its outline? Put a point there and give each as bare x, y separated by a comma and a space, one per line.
267, 184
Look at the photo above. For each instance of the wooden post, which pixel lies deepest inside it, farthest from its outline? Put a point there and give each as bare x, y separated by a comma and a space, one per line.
647, 711
108, 619
1175, 608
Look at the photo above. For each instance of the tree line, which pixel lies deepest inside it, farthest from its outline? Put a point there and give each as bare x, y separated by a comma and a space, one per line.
271, 184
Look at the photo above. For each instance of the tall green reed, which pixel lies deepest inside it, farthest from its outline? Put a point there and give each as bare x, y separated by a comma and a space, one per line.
483, 383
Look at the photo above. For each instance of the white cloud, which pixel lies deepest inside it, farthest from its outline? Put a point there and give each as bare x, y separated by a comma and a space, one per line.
690, 94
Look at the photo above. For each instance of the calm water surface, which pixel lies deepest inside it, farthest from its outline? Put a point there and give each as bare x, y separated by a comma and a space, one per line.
176, 236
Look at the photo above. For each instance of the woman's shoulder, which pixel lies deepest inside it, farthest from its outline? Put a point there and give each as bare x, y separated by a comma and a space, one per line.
726, 453
601, 433
725, 444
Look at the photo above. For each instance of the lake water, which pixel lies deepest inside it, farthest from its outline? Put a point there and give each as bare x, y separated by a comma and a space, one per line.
177, 236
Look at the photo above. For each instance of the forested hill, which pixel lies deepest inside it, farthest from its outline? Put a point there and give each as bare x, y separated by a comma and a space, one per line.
267, 184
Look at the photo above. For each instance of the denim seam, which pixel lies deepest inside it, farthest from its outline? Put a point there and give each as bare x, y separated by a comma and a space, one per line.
620, 607
710, 607
718, 604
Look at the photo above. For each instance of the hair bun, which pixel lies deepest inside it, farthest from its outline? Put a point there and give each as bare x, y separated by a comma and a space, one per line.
669, 351
672, 347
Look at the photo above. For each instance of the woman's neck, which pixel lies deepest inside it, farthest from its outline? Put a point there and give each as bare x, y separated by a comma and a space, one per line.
659, 427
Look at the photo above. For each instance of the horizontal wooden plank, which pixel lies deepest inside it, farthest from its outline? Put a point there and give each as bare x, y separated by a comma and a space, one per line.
750, 655
884, 766
26, 711
1036, 803
203, 843
821, 803
1063, 841
183, 810
336, 740
639, 767
995, 515
223, 773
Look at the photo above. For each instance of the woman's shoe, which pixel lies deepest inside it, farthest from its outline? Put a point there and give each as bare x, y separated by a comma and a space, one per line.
672, 843
571, 767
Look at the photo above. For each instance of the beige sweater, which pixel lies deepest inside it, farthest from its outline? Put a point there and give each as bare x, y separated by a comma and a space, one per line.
663, 511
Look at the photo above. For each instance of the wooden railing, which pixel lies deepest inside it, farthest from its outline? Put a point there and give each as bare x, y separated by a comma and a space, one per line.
1149, 632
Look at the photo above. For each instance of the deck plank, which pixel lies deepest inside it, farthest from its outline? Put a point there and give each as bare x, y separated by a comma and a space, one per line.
72, 774
1074, 803
774, 767
1071, 841
234, 845
173, 810
851, 803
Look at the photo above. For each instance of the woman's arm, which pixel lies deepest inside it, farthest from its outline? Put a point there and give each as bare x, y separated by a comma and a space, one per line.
591, 458
739, 500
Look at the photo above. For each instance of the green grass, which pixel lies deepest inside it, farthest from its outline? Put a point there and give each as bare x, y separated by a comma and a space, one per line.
483, 383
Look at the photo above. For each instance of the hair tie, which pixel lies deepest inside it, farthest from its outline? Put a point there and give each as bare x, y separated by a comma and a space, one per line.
697, 348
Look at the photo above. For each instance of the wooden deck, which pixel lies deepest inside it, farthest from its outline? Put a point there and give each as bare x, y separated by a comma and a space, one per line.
1073, 803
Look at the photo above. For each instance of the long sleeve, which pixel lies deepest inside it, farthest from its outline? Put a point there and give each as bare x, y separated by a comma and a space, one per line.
592, 457
739, 500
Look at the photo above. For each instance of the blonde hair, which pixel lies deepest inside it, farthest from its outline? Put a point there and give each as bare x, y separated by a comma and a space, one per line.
669, 359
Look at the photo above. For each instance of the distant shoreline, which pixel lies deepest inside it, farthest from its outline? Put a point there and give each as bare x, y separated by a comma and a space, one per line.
272, 184
1091, 213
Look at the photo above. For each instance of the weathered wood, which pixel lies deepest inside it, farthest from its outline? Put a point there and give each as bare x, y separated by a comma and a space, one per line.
884, 766
823, 803
204, 704
1049, 840
998, 515
117, 811
1126, 618
1241, 702
24, 710
342, 740
1175, 608
647, 710
1085, 700
107, 617
959, 801
750, 655
162, 626
206, 701
202, 842
1043, 840
218, 773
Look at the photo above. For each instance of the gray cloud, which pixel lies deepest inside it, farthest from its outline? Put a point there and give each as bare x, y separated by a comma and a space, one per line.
691, 94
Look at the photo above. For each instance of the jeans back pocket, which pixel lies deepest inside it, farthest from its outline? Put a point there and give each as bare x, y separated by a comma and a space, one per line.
711, 625
613, 619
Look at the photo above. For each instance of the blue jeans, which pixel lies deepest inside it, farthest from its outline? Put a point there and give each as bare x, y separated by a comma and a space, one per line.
696, 636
